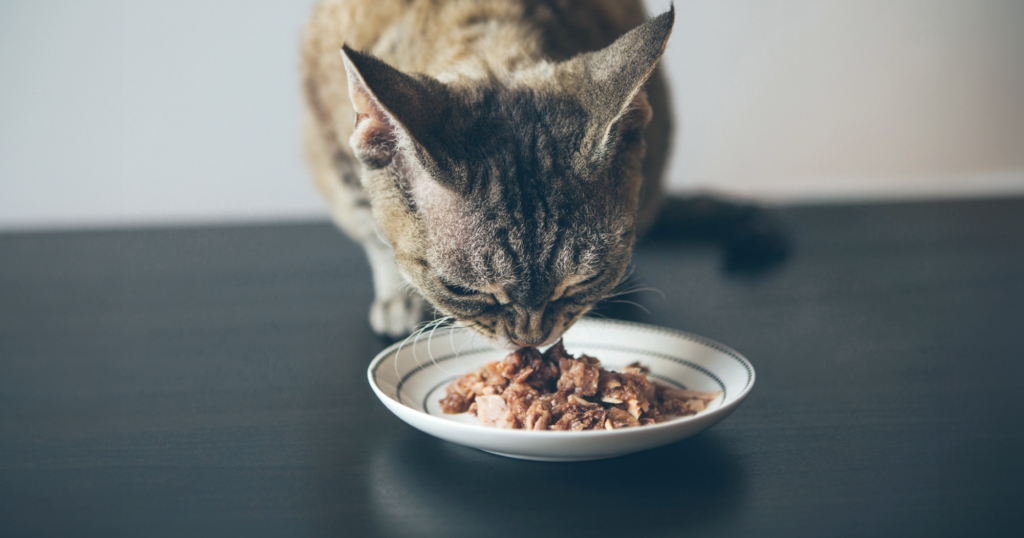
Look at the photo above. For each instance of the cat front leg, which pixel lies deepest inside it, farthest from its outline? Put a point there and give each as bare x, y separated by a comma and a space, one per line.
397, 309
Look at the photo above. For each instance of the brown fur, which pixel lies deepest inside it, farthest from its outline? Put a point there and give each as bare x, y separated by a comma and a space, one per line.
451, 96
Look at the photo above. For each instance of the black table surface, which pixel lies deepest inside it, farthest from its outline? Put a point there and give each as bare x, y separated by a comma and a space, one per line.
212, 382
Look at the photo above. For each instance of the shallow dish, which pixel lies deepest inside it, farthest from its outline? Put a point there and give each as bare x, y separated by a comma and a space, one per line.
411, 377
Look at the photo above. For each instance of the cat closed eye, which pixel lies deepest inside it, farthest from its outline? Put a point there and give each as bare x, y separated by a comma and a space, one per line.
461, 291
582, 285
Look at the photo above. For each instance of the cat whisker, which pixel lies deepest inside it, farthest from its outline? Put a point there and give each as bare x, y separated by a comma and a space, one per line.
629, 291
399, 350
630, 269
417, 331
457, 325
592, 313
430, 350
474, 335
420, 329
451, 333
380, 236
433, 324
634, 303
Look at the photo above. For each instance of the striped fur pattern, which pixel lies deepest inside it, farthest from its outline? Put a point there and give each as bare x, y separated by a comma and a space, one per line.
489, 155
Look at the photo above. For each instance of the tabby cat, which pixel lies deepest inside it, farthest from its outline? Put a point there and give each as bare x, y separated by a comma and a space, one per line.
489, 155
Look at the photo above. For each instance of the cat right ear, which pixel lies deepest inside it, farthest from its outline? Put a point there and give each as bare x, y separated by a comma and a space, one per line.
613, 79
390, 107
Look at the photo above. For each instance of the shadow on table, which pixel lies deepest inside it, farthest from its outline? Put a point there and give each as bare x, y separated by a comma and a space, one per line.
752, 238
423, 486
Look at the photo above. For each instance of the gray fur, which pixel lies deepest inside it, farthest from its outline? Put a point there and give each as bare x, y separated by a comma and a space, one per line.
510, 202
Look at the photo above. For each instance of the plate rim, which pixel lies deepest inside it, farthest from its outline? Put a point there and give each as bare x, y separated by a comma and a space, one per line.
526, 434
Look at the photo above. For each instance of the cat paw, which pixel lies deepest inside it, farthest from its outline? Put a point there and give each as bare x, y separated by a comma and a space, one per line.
396, 316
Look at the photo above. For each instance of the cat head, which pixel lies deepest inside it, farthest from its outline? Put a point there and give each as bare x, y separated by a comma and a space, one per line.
510, 203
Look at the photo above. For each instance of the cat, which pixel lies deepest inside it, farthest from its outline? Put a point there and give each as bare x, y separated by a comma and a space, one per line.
495, 158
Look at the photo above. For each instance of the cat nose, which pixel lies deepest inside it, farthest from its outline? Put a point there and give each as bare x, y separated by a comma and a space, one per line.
527, 343
528, 328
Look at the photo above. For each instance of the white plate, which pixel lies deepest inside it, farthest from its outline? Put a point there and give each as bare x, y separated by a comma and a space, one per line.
410, 378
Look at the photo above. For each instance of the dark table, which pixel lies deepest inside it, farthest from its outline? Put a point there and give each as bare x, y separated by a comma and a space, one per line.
211, 382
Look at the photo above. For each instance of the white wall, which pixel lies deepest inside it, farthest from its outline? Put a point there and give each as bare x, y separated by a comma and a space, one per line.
157, 111
143, 111
809, 99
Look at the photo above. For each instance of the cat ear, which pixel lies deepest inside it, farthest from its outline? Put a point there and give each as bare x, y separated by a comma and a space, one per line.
391, 108
615, 78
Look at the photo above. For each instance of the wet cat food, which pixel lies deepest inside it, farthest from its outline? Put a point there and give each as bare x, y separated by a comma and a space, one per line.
530, 390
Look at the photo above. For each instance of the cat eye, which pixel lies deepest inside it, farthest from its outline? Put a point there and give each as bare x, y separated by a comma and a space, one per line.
461, 291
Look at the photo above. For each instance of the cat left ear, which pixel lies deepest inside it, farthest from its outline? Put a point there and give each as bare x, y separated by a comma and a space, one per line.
391, 108
615, 78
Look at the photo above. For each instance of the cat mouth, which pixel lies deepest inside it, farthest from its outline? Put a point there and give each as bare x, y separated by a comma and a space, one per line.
523, 344
511, 343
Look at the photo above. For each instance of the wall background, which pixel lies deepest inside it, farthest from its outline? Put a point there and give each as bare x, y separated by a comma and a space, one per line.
141, 112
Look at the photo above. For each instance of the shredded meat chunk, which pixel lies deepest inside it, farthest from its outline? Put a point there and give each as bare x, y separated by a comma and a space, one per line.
538, 416
455, 403
526, 365
493, 411
579, 376
617, 418
529, 390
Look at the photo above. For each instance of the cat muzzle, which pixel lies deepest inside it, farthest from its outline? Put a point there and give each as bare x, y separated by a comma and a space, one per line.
522, 343
550, 339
